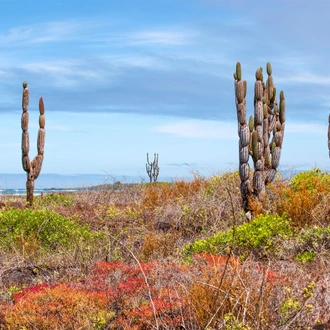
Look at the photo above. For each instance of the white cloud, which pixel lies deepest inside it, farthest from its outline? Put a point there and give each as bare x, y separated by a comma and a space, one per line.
169, 37
38, 33
66, 73
202, 129
315, 129
146, 61
309, 78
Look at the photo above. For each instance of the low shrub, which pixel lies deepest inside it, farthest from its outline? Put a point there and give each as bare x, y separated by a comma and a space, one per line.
311, 180
57, 307
54, 199
256, 236
230, 295
30, 230
305, 199
164, 193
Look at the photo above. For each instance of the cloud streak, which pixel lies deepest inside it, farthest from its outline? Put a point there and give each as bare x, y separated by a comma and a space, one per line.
200, 129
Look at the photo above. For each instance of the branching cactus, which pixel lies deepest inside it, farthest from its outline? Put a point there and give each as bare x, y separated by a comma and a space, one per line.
32, 168
152, 168
261, 137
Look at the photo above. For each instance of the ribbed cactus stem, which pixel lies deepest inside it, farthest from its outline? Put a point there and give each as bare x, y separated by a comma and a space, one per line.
32, 168
243, 134
257, 141
152, 168
269, 69
238, 71
266, 125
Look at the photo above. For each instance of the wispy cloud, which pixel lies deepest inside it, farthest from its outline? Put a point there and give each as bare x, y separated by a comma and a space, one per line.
305, 78
83, 30
299, 128
38, 33
202, 129
161, 37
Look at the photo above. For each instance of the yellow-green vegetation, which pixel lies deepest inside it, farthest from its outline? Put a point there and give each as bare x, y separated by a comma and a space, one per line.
257, 234
41, 229
54, 199
311, 180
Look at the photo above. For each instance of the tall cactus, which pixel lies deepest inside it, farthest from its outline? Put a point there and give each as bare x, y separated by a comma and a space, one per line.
254, 135
31, 168
152, 168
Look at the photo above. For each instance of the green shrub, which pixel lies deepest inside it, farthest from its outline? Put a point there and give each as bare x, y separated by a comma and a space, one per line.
310, 180
312, 241
41, 228
218, 182
306, 256
256, 234
59, 199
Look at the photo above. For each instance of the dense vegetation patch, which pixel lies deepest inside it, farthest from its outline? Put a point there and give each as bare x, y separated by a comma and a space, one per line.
257, 235
112, 258
39, 229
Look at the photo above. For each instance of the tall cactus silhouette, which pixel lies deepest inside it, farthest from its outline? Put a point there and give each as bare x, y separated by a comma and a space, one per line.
31, 168
254, 135
152, 168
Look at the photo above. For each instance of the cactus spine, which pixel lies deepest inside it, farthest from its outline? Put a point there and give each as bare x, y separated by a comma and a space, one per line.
152, 168
254, 136
31, 168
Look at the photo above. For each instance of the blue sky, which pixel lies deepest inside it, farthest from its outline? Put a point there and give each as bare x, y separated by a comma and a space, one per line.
123, 78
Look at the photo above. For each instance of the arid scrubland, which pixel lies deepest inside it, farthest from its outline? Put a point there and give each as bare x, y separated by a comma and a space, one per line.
174, 255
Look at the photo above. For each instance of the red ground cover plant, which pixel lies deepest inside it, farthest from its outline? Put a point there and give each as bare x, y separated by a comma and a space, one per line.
137, 296
162, 295
56, 307
114, 296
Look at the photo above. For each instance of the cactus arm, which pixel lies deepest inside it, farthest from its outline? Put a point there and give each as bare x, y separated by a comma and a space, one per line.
258, 138
149, 168
243, 134
156, 168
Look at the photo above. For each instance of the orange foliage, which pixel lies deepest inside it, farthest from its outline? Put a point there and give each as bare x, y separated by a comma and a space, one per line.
162, 193
225, 286
58, 307
122, 296
301, 205
216, 260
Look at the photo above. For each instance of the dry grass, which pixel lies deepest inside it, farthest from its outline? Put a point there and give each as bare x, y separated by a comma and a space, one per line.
143, 224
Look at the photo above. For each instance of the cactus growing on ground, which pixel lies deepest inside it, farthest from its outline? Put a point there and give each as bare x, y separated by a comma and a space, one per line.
31, 168
254, 135
152, 168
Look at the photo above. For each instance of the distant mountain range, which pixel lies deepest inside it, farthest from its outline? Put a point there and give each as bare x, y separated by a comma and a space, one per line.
58, 181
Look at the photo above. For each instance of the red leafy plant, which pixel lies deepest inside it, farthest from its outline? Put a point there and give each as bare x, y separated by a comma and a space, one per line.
56, 307
114, 296
164, 295
143, 295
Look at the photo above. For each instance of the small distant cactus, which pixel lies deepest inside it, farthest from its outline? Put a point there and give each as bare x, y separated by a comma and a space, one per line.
152, 168
254, 135
32, 168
